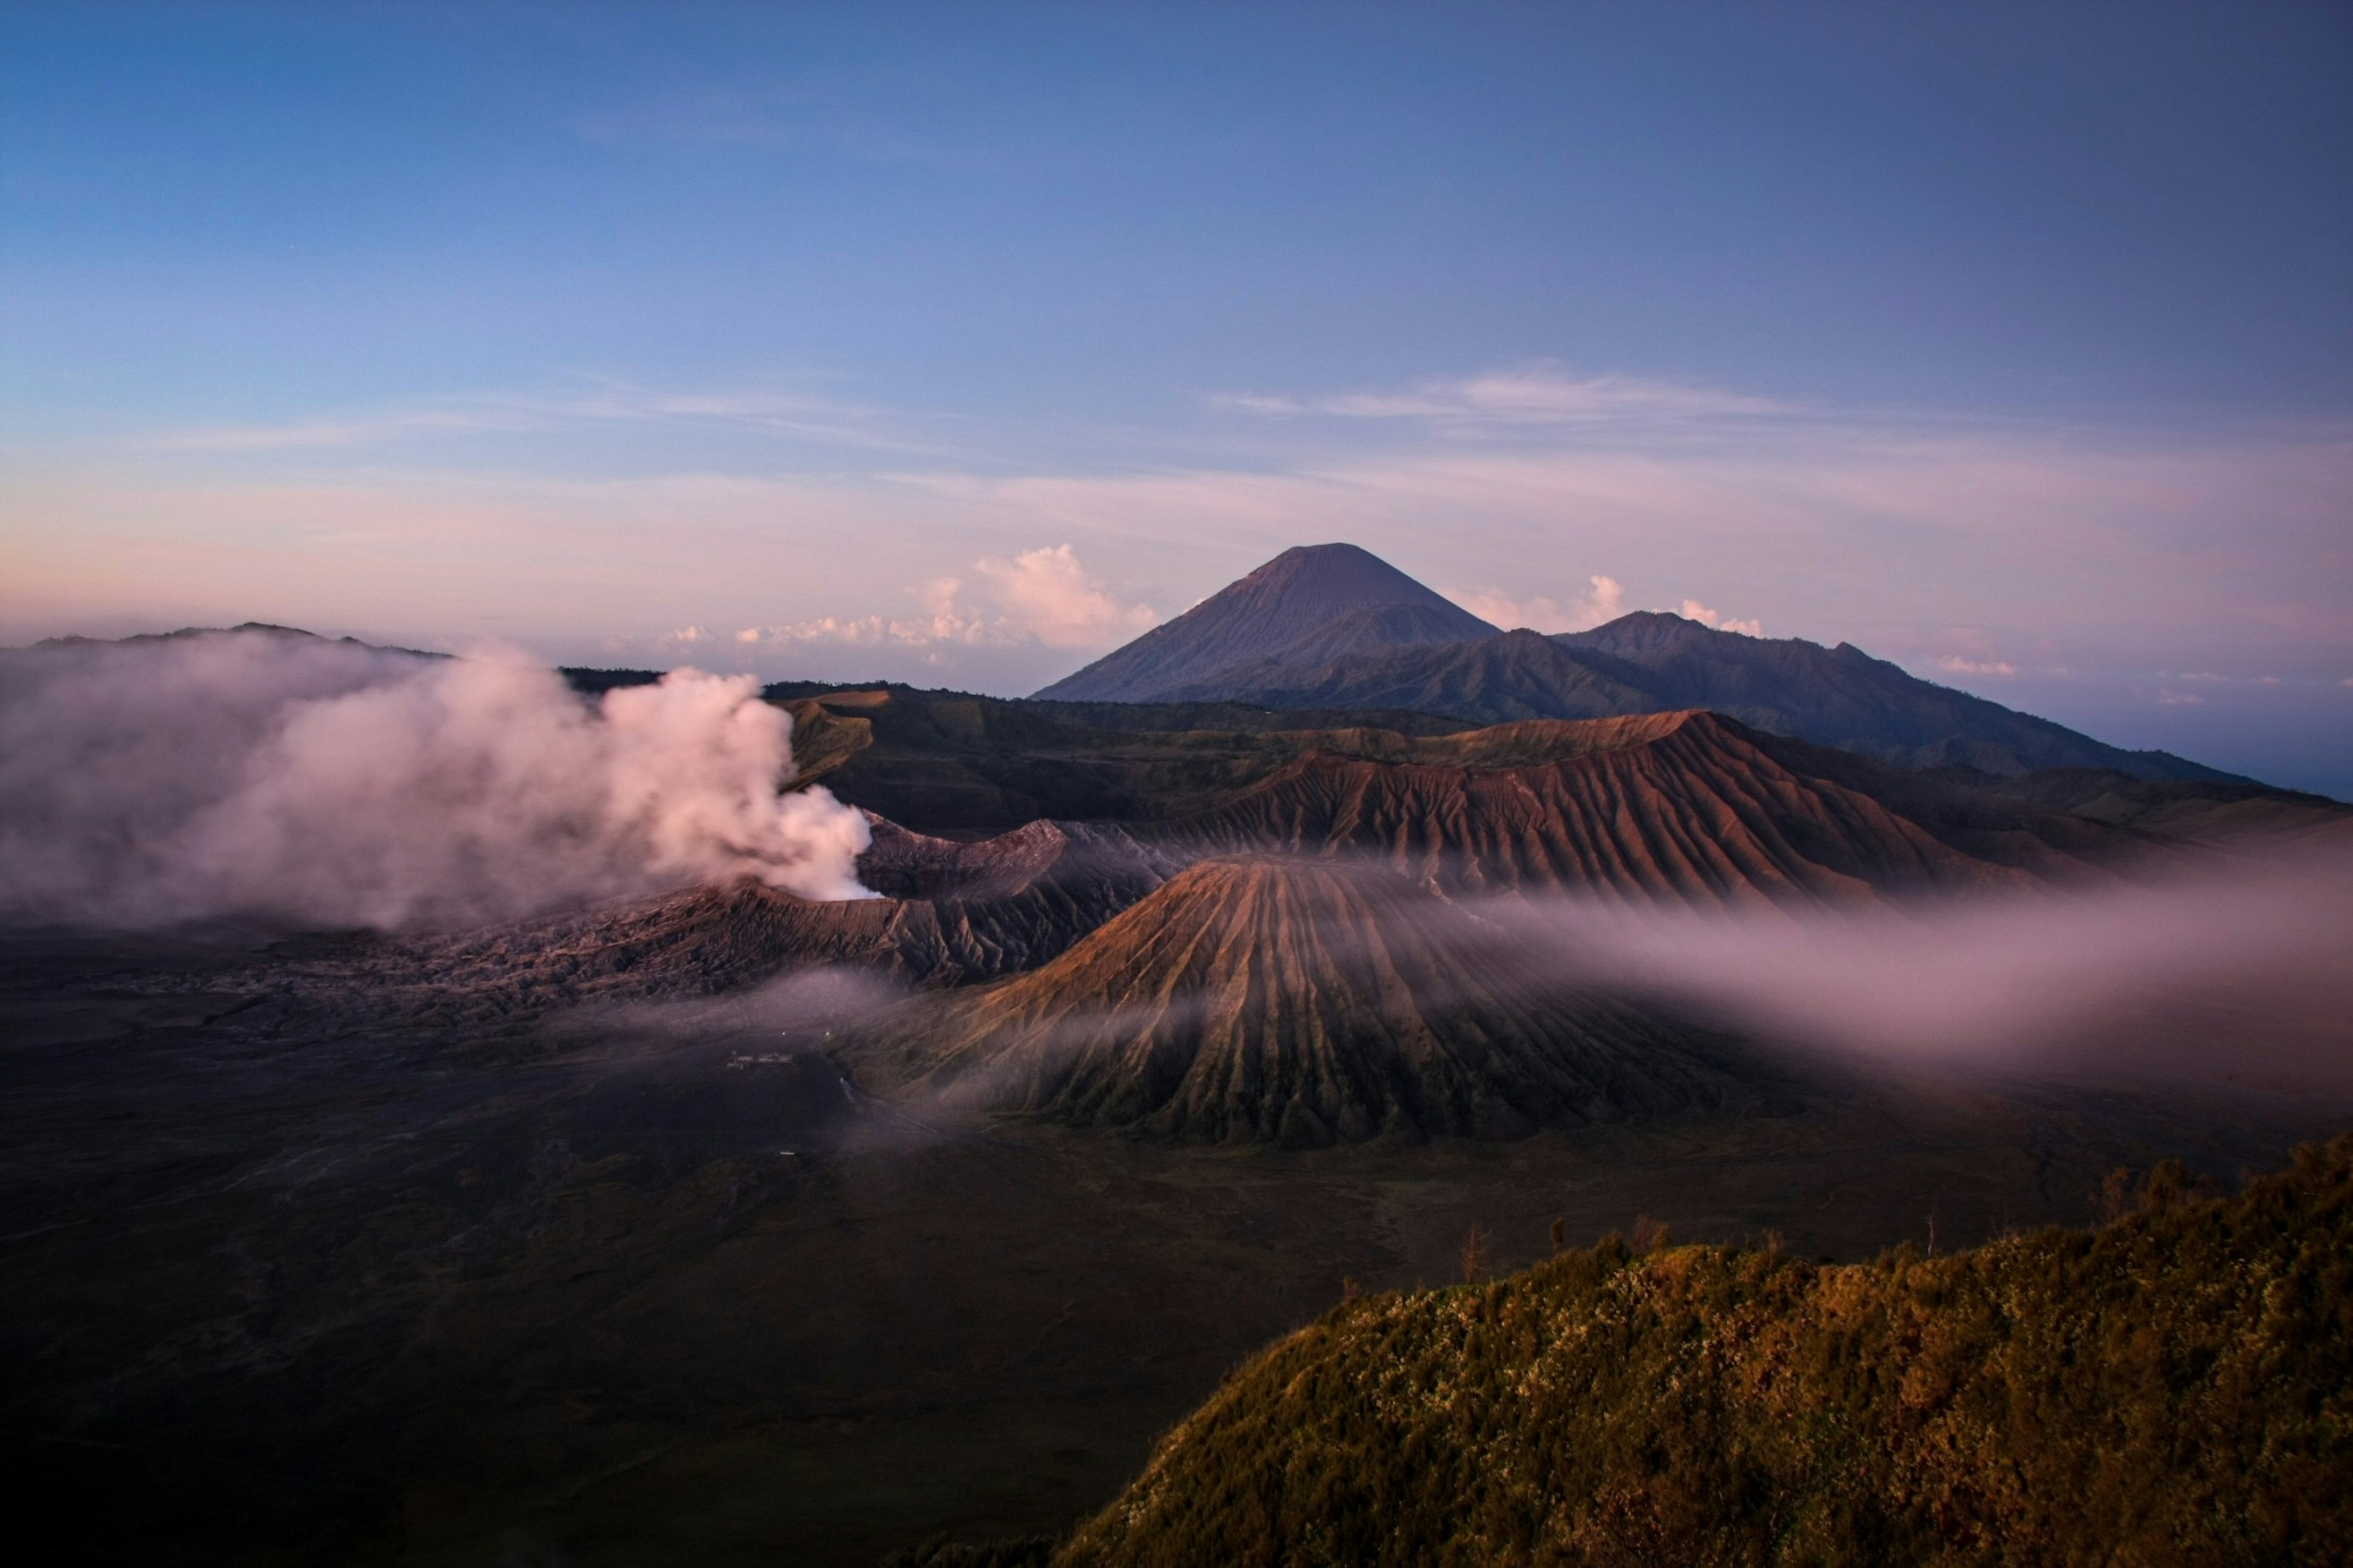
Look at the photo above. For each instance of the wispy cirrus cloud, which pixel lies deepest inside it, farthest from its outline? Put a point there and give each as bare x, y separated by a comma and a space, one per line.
773, 118
355, 430
1892, 537
2069, 568
788, 413
1525, 397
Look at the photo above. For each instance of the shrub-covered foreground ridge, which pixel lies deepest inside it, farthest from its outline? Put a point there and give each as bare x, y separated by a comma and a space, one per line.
2171, 1387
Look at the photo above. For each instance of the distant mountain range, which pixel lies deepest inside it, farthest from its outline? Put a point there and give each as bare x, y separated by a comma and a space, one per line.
1333, 627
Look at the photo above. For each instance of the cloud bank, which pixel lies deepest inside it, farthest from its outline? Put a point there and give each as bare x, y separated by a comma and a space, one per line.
2089, 560
2234, 972
1691, 609
1044, 596
270, 775
1537, 613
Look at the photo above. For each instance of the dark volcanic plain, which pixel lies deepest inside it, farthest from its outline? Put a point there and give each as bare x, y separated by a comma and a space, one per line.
281, 1288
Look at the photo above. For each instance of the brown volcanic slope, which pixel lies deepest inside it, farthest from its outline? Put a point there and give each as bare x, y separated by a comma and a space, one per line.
954, 913
1285, 999
1690, 806
1680, 804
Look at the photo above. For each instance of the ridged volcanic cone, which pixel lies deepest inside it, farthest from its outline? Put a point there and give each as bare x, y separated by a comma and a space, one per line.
1298, 1001
1688, 807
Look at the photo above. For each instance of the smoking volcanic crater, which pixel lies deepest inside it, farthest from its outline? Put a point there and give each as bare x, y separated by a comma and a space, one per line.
1342, 859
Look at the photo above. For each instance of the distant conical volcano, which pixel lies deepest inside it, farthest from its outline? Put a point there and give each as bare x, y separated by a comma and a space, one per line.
1308, 606
1285, 1001
1333, 628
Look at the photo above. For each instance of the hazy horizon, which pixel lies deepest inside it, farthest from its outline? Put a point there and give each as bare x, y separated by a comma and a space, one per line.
2013, 345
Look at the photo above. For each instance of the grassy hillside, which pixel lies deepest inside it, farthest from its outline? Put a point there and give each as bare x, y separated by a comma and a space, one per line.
2170, 1388
949, 761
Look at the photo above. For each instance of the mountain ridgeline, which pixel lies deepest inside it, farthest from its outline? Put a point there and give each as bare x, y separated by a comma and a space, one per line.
2169, 1388
1691, 808
1363, 824
1317, 973
1333, 627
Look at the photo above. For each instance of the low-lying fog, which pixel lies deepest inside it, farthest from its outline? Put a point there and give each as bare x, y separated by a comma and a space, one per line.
2236, 974
2242, 970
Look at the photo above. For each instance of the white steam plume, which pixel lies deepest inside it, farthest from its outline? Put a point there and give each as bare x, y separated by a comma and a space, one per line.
279, 775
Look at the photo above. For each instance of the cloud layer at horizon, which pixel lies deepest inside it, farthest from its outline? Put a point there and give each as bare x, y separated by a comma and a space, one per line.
1981, 548
810, 346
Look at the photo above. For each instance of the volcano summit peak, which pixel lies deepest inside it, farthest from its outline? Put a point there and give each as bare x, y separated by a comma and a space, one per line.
1310, 605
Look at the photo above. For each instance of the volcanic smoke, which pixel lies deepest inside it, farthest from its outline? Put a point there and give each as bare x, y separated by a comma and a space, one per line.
272, 775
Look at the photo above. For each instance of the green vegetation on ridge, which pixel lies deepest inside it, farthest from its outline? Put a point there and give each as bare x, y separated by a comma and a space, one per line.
2171, 1387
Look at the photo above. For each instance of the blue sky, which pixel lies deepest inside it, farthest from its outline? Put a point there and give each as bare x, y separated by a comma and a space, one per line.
958, 344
